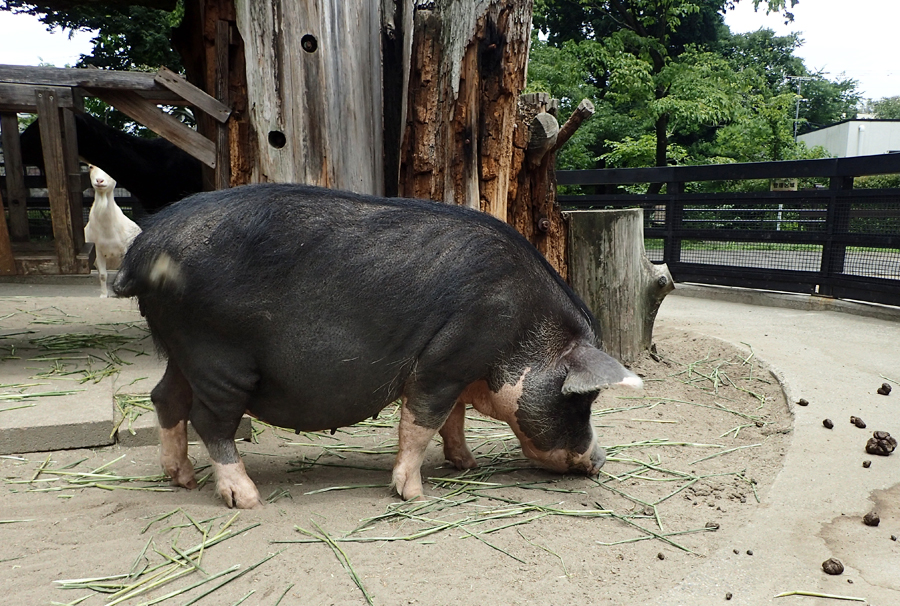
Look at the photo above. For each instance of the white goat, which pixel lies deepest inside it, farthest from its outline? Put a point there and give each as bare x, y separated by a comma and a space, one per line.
107, 227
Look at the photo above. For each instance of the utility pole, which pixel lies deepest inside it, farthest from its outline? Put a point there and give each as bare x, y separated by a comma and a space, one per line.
800, 98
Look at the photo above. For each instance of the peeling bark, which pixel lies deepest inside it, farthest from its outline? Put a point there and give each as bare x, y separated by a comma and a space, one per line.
533, 209
195, 41
466, 72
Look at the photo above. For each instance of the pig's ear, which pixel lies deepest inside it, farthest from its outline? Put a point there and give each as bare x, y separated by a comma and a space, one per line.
589, 369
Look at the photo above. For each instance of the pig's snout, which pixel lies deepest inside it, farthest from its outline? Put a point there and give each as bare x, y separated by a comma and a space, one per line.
597, 459
590, 462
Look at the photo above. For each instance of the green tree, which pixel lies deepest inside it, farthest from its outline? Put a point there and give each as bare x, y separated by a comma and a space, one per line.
644, 41
886, 108
674, 73
134, 38
128, 37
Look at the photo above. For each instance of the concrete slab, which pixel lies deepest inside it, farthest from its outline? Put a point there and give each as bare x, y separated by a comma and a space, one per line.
814, 511
80, 352
67, 349
144, 431
771, 298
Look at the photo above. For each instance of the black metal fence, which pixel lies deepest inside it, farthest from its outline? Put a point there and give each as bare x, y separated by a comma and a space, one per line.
840, 242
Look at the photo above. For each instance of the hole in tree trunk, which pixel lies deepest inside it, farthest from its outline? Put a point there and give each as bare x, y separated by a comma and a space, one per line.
277, 139
309, 43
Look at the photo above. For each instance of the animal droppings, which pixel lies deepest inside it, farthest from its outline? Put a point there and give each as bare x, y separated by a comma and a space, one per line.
885, 389
881, 443
867, 463
832, 566
802, 402
661, 555
728, 596
828, 423
858, 422
871, 519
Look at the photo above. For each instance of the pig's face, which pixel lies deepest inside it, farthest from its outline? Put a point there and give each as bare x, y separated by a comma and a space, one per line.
549, 408
554, 428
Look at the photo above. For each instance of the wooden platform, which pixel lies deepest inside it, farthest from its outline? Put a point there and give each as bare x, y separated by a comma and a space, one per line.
40, 259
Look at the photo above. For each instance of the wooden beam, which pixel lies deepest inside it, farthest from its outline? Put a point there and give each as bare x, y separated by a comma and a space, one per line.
20, 97
223, 151
73, 176
161, 123
7, 261
85, 78
57, 182
17, 193
198, 98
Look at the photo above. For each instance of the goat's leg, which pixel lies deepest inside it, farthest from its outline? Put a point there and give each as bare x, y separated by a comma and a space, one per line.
100, 263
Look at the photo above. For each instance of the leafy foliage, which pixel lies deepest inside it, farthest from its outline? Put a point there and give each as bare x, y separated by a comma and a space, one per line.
672, 84
128, 37
133, 38
886, 108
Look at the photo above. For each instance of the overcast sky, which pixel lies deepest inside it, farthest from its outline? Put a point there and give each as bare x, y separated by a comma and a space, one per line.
856, 39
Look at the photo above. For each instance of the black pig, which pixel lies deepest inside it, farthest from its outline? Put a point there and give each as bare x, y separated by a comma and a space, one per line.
314, 309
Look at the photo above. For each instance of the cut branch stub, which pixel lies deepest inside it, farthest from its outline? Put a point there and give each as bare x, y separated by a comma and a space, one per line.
544, 130
584, 111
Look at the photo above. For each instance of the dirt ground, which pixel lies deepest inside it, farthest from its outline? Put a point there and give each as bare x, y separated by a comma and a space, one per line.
690, 457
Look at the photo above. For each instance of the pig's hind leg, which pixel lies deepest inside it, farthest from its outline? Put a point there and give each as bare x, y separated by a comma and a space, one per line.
218, 406
172, 399
455, 448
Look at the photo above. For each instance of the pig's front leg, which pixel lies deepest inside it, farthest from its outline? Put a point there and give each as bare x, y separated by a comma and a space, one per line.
453, 433
414, 439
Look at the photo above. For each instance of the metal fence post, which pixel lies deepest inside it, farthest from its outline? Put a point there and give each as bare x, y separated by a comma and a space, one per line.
837, 224
674, 214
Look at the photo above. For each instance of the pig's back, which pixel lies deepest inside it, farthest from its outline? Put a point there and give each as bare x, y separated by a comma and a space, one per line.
322, 292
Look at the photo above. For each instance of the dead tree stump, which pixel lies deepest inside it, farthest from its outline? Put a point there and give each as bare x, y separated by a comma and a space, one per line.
532, 207
609, 269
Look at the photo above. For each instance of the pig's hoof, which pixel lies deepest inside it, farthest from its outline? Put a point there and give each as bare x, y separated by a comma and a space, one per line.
235, 486
240, 497
408, 486
461, 460
182, 474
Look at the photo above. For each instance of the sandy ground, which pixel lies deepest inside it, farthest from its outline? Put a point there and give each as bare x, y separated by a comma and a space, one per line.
690, 457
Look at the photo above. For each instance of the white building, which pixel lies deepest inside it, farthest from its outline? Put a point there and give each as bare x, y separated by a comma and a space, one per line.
856, 138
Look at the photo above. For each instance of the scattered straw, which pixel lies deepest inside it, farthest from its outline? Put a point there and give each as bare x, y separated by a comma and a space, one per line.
340, 555
813, 594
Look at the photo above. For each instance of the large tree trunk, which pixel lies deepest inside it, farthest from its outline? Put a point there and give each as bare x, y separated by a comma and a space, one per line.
315, 91
611, 272
466, 70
